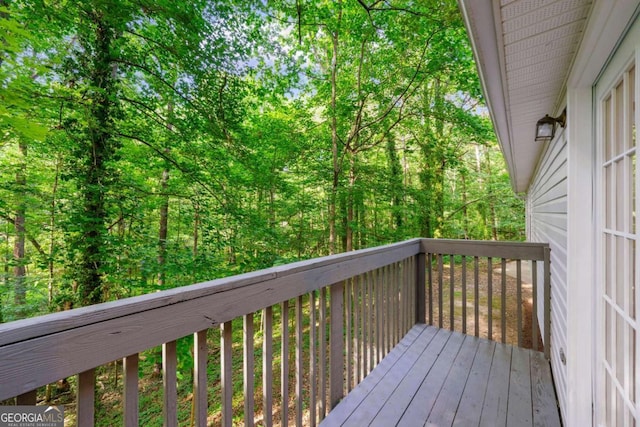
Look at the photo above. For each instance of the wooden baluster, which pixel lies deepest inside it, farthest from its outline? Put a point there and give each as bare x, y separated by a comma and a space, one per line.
420, 306
200, 394
267, 367
476, 295
284, 364
85, 401
429, 278
519, 300
503, 299
440, 291
169, 382
452, 288
249, 364
323, 353
336, 376
349, 340
357, 325
130, 398
534, 308
313, 358
299, 365
370, 322
379, 333
464, 294
490, 298
226, 373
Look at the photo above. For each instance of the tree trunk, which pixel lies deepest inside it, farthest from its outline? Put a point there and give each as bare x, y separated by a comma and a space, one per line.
490, 198
348, 229
19, 271
196, 228
101, 151
334, 146
164, 212
52, 226
164, 228
395, 181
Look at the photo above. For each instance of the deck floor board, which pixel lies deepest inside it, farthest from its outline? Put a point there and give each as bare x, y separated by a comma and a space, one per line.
436, 377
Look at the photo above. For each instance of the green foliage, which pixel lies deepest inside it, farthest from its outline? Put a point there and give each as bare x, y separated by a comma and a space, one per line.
243, 130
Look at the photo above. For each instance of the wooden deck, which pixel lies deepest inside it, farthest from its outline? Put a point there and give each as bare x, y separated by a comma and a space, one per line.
435, 377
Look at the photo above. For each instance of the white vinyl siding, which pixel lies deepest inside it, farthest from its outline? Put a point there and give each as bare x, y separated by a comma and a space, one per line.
547, 222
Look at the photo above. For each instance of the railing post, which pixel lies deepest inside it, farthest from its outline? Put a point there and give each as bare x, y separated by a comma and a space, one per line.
421, 269
336, 359
547, 303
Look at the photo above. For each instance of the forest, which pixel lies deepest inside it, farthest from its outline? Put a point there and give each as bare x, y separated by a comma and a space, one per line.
150, 144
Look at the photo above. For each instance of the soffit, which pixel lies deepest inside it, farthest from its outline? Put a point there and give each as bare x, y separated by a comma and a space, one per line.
524, 50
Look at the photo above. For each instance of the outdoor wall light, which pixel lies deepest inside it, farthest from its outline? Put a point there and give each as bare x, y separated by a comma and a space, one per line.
546, 126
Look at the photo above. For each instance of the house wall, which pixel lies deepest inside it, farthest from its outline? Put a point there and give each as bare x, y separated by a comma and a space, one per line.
547, 222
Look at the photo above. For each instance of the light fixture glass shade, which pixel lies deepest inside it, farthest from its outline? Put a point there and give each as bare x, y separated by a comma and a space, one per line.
545, 128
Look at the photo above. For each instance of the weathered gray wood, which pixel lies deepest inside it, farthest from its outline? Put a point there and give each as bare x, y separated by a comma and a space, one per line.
248, 368
267, 367
450, 380
545, 406
425, 397
370, 322
28, 398
299, 364
323, 354
358, 328
429, 266
200, 393
494, 408
440, 290
130, 395
392, 397
503, 300
226, 373
489, 298
379, 318
169, 384
519, 408
85, 400
313, 360
476, 295
452, 289
464, 295
335, 267
470, 407
349, 336
444, 408
284, 363
358, 396
534, 306
519, 301
60, 344
336, 374
511, 250
364, 320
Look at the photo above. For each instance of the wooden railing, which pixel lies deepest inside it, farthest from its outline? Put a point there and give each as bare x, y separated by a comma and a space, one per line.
490, 289
306, 334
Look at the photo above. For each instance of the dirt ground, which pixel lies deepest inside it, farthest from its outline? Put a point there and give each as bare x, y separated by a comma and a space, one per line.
482, 306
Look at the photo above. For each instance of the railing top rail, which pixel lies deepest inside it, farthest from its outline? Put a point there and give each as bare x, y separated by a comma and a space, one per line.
486, 248
41, 350
21, 330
